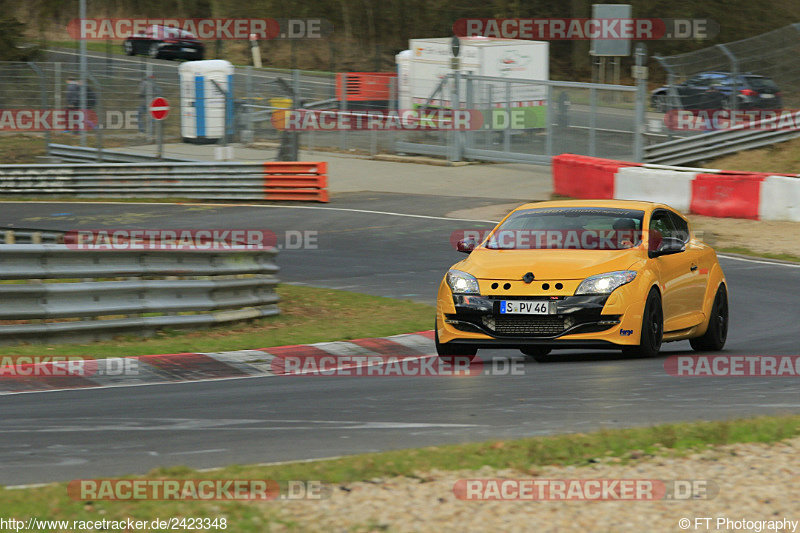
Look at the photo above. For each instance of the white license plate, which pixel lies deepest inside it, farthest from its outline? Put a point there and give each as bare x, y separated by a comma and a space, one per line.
187, 49
517, 307
767, 95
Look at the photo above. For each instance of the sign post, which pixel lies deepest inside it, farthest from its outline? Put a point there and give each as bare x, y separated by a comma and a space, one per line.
159, 109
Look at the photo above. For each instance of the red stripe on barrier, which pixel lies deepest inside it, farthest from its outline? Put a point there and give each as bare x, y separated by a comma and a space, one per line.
579, 176
727, 195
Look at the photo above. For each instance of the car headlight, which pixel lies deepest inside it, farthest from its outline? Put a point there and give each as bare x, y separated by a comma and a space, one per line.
462, 283
605, 283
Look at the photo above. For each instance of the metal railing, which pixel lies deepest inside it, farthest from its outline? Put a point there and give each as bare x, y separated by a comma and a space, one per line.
85, 154
201, 180
717, 143
75, 295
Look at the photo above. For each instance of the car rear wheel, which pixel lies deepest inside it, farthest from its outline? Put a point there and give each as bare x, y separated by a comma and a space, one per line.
660, 103
154, 50
717, 332
540, 354
449, 351
652, 329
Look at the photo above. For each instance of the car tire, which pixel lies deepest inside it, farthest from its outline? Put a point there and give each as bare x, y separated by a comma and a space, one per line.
540, 354
128, 47
652, 329
449, 351
660, 103
153, 51
717, 333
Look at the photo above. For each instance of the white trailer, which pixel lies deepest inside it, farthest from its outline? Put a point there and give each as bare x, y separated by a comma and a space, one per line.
422, 68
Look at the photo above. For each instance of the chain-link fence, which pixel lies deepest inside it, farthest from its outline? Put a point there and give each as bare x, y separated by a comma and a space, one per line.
522, 120
760, 72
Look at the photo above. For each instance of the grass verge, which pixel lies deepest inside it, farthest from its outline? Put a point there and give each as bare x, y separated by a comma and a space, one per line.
526, 455
746, 251
308, 315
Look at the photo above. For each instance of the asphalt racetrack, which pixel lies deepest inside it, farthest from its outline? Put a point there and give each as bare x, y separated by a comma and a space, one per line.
64, 435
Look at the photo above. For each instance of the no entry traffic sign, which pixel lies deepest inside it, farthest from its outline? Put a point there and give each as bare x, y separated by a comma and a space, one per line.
159, 108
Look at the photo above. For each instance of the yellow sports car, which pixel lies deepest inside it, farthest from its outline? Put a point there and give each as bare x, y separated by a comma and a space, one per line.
583, 274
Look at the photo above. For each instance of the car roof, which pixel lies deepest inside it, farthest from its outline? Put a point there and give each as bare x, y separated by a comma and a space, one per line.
614, 204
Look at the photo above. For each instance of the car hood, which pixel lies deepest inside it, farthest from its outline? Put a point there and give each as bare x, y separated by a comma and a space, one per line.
546, 264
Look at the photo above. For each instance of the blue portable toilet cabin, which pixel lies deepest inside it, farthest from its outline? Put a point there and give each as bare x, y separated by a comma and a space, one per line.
206, 100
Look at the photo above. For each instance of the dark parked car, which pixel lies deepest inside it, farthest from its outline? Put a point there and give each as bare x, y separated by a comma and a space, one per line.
720, 90
161, 42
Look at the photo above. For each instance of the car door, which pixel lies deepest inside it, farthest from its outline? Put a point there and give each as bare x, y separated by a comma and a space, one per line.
691, 92
675, 276
693, 284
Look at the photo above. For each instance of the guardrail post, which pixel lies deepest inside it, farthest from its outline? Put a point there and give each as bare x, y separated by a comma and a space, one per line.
43, 101
548, 143
100, 111
734, 103
641, 98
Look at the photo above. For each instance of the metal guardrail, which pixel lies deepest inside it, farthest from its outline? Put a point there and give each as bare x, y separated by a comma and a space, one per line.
84, 154
30, 236
96, 294
717, 143
202, 180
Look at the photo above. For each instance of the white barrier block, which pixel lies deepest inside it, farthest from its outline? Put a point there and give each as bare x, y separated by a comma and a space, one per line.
780, 198
671, 187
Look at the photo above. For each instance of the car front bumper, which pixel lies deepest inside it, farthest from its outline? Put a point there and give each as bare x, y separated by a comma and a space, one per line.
587, 321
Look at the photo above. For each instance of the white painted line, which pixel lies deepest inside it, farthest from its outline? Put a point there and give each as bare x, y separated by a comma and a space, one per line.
760, 261
366, 211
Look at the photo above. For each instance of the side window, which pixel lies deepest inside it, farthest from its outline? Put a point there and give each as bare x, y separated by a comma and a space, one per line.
660, 229
697, 80
660, 222
681, 227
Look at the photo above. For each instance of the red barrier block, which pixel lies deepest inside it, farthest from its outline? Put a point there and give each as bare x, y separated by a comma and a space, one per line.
580, 176
727, 195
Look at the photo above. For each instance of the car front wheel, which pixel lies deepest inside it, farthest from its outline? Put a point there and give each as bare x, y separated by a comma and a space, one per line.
652, 329
449, 351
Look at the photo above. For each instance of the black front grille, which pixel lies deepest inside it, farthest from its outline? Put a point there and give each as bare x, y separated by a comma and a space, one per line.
533, 326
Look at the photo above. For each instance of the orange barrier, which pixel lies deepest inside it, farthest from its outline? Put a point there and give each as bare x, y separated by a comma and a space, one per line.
295, 180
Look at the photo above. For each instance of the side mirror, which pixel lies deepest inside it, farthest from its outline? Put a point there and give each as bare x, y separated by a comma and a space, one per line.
466, 245
669, 246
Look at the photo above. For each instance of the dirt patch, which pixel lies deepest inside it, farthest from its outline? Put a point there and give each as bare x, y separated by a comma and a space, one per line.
760, 236
755, 482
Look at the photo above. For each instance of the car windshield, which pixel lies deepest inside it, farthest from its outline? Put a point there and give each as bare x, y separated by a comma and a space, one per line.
569, 228
759, 83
